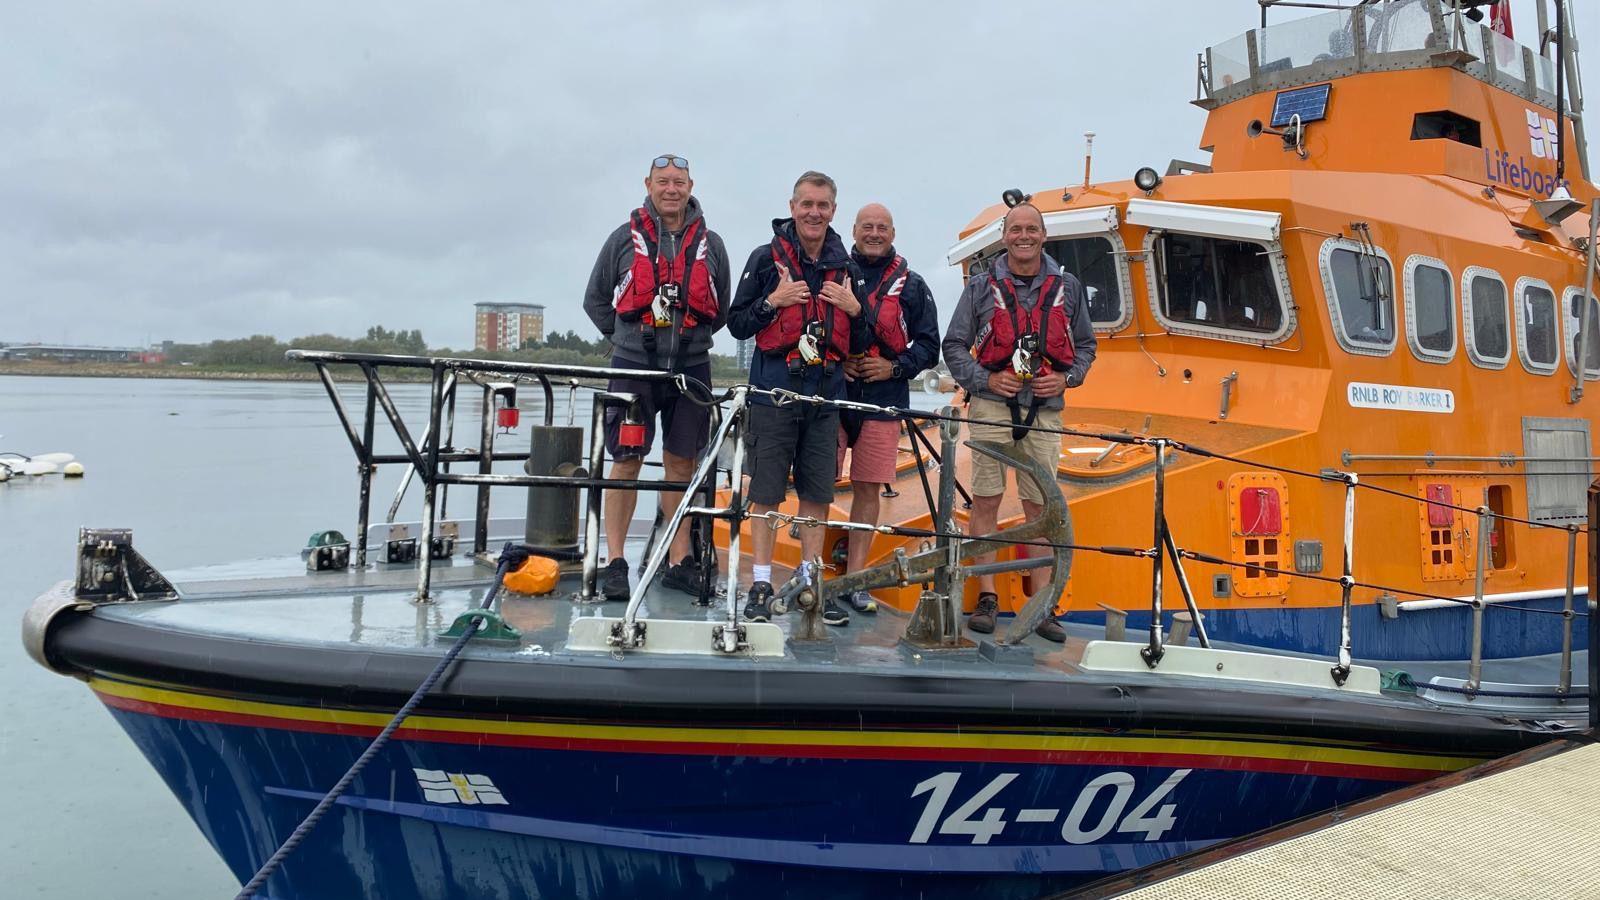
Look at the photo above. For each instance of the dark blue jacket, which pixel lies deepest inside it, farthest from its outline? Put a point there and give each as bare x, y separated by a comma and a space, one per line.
922, 329
746, 316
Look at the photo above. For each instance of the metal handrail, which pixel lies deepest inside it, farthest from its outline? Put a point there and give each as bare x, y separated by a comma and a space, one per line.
430, 458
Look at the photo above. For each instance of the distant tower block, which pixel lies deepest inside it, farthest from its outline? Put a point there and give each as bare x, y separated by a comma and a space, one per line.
508, 326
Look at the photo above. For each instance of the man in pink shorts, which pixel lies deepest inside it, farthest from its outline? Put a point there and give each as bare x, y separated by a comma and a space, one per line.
898, 308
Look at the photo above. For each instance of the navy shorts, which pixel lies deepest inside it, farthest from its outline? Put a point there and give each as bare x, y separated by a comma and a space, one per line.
800, 438
685, 425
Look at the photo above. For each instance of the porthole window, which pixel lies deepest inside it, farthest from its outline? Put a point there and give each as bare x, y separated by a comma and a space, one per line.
1359, 286
1485, 321
1571, 309
1430, 309
1538, 341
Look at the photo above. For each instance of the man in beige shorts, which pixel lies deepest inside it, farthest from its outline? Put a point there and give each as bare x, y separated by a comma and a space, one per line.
1020, 336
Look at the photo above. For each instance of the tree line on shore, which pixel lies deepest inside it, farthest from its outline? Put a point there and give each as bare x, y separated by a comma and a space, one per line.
264, 352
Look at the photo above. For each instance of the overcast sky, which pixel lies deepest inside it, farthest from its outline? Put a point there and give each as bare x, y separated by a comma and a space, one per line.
191, 171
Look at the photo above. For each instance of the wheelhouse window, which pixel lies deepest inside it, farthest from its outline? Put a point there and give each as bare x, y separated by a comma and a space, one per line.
1538, 341
1358, 281
1572, 305
1484, 318
1213, 284
1099, 263
1430, 309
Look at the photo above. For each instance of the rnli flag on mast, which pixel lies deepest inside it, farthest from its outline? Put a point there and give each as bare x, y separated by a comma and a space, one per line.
1505, 52
1500, 18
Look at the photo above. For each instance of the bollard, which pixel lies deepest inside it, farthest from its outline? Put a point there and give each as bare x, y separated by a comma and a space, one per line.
552, 523
1182, 624
1116, 622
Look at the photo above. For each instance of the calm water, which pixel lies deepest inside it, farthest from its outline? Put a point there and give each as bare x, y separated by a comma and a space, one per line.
203, 472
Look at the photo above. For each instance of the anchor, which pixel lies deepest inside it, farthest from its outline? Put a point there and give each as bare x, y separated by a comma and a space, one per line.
936, 621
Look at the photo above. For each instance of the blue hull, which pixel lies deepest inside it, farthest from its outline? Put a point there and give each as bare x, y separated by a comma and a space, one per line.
579, 822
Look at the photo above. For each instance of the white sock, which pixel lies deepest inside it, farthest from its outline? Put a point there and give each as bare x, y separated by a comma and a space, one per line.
761, 573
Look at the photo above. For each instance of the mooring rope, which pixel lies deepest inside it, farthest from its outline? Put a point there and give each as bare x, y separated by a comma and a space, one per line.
511, 554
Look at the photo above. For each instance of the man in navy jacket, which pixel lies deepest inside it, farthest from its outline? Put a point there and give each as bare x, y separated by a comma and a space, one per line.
902, 328
797, 298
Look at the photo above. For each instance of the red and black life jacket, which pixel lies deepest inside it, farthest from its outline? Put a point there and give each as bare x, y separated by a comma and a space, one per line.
883, 310
782, 334
1011, 322
697, 296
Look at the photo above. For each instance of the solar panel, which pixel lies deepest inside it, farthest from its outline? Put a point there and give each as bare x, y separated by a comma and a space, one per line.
1310, 103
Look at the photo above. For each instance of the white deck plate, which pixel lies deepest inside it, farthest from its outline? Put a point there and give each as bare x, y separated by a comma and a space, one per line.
1227, 665
676, 636
1526, 832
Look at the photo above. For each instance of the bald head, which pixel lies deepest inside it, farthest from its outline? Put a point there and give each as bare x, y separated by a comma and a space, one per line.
874, 231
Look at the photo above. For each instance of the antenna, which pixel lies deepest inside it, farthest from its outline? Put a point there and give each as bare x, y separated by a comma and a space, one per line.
1088, 156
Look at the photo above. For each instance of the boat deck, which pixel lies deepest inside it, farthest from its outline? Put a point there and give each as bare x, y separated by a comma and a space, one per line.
268, 600
1512, 828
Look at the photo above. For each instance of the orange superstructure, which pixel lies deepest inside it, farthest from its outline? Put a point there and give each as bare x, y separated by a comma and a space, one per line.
1368, 288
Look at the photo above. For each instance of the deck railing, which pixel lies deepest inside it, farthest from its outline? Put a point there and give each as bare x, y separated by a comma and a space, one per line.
944, 567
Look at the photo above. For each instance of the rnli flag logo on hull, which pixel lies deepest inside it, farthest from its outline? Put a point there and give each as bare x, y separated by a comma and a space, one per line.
454, 787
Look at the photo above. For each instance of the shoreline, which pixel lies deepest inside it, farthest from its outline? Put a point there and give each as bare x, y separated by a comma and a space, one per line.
171, 372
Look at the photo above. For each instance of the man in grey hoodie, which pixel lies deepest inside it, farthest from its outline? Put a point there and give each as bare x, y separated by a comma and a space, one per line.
658, 292
1024, 277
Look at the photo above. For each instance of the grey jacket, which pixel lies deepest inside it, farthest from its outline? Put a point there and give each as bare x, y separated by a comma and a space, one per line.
616, 259
976, 308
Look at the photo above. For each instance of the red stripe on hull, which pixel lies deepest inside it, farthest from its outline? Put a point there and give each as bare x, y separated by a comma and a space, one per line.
816, 751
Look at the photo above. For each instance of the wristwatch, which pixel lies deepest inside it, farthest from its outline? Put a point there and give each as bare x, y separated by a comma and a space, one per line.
764, 308
896, 373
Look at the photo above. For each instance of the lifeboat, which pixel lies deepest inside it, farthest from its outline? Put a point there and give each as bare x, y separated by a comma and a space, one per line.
1340, 418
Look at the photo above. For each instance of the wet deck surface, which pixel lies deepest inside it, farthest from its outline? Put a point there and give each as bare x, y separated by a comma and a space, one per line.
376, 609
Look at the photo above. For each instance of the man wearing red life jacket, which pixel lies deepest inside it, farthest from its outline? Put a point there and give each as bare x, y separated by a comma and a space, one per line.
658, 292
1020, 336
797, 298
903, 339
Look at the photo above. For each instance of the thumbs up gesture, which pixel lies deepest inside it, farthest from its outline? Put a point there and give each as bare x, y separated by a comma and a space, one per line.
788, 292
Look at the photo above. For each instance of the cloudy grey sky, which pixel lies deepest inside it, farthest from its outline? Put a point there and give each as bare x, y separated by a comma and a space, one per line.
191, 171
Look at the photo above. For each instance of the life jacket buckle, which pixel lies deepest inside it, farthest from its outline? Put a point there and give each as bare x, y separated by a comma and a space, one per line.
810, 343
1022, 364
666, 300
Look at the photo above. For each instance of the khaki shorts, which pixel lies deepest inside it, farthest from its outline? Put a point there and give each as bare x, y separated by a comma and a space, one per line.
989, 475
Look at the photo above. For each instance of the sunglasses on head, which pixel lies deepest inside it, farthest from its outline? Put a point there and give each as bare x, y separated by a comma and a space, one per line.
661, 162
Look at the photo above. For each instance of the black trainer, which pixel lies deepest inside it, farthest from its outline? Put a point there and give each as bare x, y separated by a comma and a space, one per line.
684, 576
756, 603
614, 584
834, 613
984, 614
